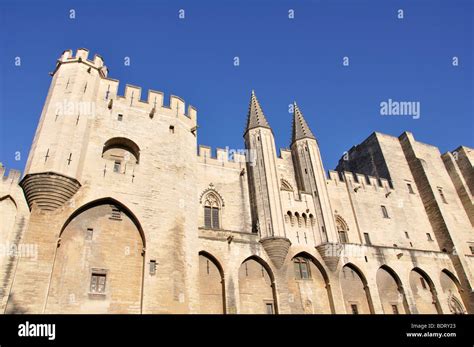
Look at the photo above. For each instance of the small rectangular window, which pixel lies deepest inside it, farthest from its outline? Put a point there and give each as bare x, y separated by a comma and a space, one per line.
117, 165
395, 309
367, 239
410, 188
171, 129
406, 235
355, 309
98, 283
152, 267
120, 117
428, 236
304, 270
269, 308
384, 211
116, 214
441, 194
89, 233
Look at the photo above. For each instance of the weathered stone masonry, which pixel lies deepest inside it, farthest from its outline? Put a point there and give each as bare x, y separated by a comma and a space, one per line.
116, 213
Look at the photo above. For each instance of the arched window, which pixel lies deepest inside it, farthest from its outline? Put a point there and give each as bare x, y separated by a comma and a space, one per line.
342, 229
311, 219
298, 219
302, 271
289, 217
122, 152
212, 211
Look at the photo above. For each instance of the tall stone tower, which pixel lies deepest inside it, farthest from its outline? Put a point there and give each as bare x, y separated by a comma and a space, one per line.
310, 174
56, 158
265, 200
100, 169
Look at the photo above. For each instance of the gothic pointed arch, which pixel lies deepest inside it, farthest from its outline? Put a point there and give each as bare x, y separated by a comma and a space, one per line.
355, 290
342, 229
424, 292
391, 291
453, 292
257, 289
100, 252
285, 185
213, 194
309, 285
211, 284
102, 201
212, 203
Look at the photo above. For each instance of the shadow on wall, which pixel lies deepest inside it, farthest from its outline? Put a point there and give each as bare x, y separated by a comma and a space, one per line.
13, 307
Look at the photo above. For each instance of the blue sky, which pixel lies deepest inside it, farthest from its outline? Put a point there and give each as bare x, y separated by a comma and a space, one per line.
282, 59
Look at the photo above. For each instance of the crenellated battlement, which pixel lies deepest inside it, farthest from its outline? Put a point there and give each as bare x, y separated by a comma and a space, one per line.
13, 176
223, 157
359, 180
154, 101
82, 55
108, 90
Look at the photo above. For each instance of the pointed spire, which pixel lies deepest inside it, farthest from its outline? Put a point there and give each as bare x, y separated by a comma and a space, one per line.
255, 117
301, 129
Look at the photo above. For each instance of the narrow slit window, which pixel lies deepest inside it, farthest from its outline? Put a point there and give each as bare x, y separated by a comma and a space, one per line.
384, 212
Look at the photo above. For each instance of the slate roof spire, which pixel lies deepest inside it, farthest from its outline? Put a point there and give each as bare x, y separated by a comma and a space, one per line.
255, 117
301, 129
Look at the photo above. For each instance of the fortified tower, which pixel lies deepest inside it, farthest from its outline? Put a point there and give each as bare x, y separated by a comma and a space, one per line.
56, 158
266, 208
310, 174
110, 184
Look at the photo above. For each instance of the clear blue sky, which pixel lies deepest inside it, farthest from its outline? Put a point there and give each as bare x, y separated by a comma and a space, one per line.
282, 59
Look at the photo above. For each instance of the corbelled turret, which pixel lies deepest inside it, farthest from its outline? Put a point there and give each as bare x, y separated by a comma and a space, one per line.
267, 215
310, 174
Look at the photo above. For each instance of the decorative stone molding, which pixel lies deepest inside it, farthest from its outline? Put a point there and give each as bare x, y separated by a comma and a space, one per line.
212, 190
48, 190
277, 249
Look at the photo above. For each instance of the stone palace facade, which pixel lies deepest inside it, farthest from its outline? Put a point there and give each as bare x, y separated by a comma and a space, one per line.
120, 211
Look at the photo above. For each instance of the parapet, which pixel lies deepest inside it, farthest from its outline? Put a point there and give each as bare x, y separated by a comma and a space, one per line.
133, 94
13, 176
82, 55
356, 179
224, 157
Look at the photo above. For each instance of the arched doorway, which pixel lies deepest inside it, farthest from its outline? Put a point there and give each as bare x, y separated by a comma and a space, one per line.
308, 285
355, 290
211, 285
256, 287
452, 292
391, 292
424, 293
99, 262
